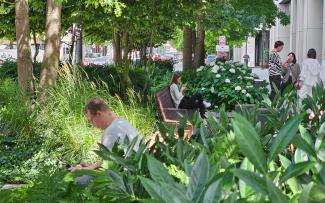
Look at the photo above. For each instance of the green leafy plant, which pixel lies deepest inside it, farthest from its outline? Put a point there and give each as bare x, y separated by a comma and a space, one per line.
229, 83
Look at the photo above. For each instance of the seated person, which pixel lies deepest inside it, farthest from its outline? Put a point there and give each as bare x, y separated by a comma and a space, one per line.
186, 102
115, 131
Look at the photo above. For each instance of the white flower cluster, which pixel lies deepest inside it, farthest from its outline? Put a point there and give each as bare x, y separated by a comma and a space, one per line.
249, 78
237, 88
227, 80
200, 69
215, 69
212, 90
232, 70
218, 76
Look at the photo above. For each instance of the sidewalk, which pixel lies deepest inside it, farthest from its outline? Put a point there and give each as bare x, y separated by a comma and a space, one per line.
262, 74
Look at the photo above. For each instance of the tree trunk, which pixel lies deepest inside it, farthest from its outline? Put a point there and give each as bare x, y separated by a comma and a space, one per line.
126, 81
52, 46
199, 47
143, 54
126, 47
194, 38
187, 49
25, 66
117, 51
36, 46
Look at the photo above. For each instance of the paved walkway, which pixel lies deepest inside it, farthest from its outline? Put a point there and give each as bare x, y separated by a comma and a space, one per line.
262, 74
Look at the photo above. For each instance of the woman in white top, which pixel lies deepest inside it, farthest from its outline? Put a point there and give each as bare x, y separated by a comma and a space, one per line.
310, 74
186, 102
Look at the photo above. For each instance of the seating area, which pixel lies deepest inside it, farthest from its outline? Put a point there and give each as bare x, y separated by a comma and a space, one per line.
167, 111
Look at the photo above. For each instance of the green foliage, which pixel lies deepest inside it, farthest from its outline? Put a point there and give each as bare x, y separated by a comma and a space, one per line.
229, 83
201, 170
9, 69
246, 136
57, 133
148, 78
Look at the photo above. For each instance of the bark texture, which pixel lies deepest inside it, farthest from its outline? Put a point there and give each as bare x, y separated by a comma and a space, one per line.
24, 65
199, 46
51, 59
187, 48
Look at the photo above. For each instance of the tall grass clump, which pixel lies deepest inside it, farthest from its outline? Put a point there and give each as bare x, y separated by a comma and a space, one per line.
57, 133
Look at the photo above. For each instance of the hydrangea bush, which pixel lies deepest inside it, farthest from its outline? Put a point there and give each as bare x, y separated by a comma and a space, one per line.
230, 83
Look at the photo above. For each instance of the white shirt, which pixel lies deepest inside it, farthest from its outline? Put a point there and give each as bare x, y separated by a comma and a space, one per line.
116, 133
176, 95
310, 72
310, 75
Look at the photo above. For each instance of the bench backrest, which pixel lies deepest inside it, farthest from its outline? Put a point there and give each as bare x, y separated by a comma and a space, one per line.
166, 109
164, 98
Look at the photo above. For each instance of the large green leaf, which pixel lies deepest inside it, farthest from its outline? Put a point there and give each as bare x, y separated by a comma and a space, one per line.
244, 189
213, 193
256, 181
284, 136
297, 169
275, 193
317, 193
154, 189
292, 182
300, 156
117, 180
304, 197
305, 146
249, 142
158, 172
199, 177
320, 136
164, 192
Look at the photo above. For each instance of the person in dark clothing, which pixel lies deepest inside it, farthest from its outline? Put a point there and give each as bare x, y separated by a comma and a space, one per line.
291, 74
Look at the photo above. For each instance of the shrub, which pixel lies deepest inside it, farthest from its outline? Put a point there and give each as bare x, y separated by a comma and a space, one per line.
229, 83
9, 69
167, 65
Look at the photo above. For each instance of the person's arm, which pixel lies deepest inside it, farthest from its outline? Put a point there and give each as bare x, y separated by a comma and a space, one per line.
302, 76
284, 71
85, 166
175, 91
183, 88
93, 166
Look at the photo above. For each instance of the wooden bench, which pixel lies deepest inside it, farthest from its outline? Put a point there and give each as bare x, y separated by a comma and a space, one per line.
167, 111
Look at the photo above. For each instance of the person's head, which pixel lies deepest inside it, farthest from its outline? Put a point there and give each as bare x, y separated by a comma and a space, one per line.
278, 46
311, 53
292, 57
176, 78
98, 113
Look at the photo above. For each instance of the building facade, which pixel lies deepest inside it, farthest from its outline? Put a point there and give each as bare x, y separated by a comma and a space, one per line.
306, 30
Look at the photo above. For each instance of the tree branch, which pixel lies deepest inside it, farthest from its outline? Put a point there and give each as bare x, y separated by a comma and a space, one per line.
7, 2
